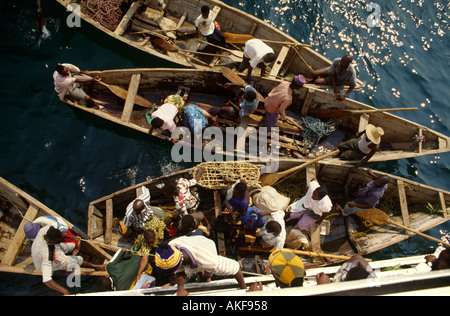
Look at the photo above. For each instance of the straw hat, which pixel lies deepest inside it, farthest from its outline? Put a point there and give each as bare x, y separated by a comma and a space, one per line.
286, 267
374, 133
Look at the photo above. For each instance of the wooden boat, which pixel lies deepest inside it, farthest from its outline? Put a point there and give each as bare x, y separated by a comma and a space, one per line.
406, 202
16, 209
398, 276
401, 137
142, 24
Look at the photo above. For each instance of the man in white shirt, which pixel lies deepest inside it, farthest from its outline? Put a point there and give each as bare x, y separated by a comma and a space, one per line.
312, 208
209, 28
256, 53
274, 231
66, 84
49, 256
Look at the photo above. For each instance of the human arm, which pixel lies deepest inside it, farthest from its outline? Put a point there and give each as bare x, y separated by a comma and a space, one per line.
55, 286
342, 97
365, 159
142, 266
181, 281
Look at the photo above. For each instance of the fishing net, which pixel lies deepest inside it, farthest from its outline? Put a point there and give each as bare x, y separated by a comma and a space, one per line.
214, 174
314, 130
108, 13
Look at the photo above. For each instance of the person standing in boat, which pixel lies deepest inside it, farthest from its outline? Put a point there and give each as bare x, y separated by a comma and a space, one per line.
340, 73
256, 54
49, 255
361, 148
209, 28
66, 84
279, 99
367, 197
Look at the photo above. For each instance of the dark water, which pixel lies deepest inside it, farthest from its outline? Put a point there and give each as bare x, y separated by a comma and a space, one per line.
66, 158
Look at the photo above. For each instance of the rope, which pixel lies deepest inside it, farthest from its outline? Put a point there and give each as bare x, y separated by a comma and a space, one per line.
108, 13
314, 130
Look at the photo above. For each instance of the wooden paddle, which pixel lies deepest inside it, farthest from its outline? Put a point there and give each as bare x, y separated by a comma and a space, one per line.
344, 112
173, 48
298, 252
122, 93
243, 38
272, 178
235, 52
379, 217
235, 78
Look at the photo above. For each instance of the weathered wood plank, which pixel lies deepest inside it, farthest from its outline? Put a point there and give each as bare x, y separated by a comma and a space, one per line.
19, 237
403, 203
131, 97
122, 27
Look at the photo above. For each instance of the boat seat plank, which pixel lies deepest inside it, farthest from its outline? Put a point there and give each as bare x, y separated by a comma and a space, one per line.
279, 61
314, 230
443, 205
308, 101
109, 221
403, 203
95, 222
131, 97
122, 27
363, 121
19, 237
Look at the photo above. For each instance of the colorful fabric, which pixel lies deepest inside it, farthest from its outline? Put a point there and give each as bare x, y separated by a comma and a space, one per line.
252, 219
286, 267
168, 258
141, 246
186, 202
194, 119
176, 100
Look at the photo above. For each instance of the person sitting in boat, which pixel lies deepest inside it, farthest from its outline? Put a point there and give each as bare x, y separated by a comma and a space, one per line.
189, 255
273, 234
254, 218
195, 224
340, 73
186, 200
66, 84
367, 197
49, 254
31, 229
356, 268
244, 95
209, 28
312, 208
237, 198
139, 212
279, 99
256, 54
363, 147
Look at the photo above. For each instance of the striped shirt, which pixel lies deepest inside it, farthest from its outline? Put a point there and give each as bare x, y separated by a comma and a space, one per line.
134, 220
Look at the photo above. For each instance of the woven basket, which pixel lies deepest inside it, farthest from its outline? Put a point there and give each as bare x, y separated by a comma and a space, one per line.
215, 172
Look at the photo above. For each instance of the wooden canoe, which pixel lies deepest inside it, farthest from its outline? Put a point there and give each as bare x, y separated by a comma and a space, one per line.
399, 134
17, 208
398, 276
142, 22
405, 200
